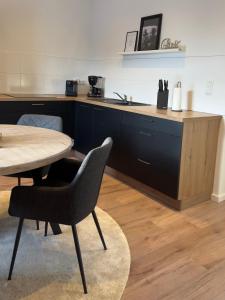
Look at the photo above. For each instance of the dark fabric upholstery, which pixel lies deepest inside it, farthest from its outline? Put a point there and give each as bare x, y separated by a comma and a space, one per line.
69, 193
43, 121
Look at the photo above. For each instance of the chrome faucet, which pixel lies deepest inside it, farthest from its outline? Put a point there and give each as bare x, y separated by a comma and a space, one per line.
122, 98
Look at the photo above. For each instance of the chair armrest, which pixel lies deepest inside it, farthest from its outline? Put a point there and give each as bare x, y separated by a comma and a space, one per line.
52, 204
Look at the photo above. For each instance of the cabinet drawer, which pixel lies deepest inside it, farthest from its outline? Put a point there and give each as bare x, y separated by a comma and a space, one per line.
152, 123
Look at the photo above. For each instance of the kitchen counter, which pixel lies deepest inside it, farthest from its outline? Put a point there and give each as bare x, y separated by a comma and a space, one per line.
172, 153
143, 110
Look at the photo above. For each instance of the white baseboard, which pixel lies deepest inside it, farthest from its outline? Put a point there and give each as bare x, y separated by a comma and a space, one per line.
218, 198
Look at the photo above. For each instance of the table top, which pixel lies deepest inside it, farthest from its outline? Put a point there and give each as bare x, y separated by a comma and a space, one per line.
24, 148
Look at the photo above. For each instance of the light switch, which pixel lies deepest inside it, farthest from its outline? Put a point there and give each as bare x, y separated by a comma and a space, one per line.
209, 87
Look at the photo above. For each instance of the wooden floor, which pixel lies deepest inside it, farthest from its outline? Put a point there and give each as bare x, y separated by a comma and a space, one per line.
175, 255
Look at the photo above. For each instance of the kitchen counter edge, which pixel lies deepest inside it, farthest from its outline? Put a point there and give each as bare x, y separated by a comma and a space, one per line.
150, 110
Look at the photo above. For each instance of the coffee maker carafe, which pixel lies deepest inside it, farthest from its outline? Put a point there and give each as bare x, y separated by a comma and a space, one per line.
96, 86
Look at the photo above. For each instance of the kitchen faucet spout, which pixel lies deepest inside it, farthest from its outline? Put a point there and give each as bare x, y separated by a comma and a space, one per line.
122, 98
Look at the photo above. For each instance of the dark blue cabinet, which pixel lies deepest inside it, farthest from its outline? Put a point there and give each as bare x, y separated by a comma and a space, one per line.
106, 122
151, 151
11, 111
145, 148
93, 124
83, 137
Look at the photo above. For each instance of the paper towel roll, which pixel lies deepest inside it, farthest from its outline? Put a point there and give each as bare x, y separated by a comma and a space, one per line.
176, 105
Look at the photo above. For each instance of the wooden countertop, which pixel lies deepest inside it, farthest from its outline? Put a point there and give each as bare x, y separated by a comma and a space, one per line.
150, 110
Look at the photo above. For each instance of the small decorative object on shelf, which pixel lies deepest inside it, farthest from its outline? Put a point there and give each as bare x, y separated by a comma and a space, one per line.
150, 30
163, 94
131, 41
168, 44
175, 51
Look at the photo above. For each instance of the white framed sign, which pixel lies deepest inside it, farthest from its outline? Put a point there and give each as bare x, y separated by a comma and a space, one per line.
131, 41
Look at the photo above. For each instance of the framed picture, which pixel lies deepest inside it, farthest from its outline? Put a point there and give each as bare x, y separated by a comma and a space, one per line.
150, 30
131, 41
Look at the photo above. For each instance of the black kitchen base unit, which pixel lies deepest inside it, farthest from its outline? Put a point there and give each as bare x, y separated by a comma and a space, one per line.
172, 154
11, 111
174, 159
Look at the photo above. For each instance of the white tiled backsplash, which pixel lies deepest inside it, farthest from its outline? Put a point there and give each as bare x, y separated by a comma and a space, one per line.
39, 73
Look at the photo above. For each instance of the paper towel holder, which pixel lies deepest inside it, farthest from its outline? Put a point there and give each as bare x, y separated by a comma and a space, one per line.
176, 105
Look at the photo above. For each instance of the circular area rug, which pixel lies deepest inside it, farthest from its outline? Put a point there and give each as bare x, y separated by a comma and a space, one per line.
46, 267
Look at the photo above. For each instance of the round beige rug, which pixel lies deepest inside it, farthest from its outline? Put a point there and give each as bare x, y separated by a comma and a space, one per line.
46, 267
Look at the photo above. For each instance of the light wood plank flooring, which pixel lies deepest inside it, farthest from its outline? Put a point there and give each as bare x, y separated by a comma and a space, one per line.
175, 255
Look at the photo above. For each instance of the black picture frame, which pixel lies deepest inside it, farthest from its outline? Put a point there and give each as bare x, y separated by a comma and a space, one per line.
150, 32
134, 36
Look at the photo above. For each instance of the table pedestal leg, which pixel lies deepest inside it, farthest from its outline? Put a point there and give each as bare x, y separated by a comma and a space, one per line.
56, 228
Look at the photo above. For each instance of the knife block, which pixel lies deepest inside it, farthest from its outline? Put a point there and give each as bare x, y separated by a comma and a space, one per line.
162, 99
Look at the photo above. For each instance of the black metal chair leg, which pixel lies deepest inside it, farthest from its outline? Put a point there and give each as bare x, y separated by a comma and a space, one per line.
37, 223
79, 257
99, 229
46, 228
18, 234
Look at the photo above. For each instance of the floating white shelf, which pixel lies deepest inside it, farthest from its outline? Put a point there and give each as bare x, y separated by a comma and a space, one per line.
149, 52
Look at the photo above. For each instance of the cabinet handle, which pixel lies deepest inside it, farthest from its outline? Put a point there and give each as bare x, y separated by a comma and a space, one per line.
145, 133
37, 104
99, 109
144, 162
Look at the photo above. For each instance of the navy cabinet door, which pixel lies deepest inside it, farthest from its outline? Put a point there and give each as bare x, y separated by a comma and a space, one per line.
83, 138
10, 112
151, 150
106, 123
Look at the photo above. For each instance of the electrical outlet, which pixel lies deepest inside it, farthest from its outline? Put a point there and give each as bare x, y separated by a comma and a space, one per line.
209, 87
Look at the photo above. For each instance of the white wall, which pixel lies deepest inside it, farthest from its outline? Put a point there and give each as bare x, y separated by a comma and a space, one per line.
45, 42
199, 24
42, 43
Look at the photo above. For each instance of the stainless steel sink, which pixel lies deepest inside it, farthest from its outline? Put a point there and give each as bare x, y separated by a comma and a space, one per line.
124, 103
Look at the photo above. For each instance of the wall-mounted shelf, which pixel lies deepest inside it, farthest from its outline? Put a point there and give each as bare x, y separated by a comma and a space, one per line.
150, 52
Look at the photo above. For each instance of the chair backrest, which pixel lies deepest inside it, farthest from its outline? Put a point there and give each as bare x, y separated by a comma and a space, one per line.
43, 121
86, 185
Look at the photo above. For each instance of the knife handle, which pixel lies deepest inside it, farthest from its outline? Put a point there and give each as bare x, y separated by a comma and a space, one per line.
160, 85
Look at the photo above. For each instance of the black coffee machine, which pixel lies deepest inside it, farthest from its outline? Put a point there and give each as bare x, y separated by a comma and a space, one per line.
96, 86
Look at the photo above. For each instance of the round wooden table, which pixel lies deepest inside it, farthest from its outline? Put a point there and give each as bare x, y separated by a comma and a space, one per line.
24, 148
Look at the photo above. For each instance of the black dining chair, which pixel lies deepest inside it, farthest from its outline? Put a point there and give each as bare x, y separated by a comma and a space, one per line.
67, 196
43, 121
